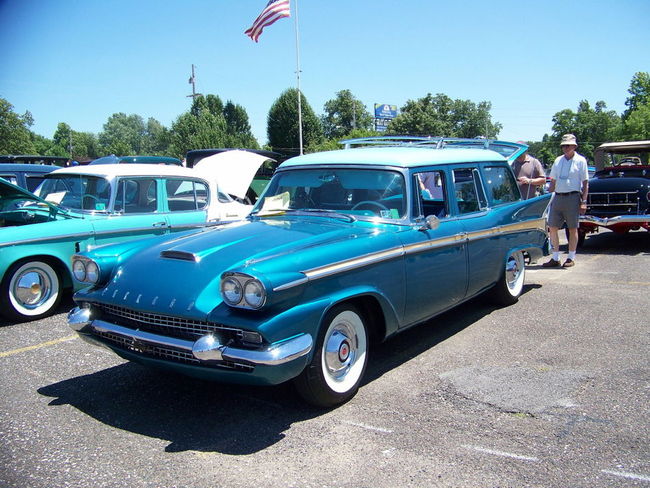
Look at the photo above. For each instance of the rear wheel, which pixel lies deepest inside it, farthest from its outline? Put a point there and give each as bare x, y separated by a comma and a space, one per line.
509, 287
339, 361
31, 290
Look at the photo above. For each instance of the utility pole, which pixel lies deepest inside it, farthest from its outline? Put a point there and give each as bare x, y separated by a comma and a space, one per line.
191, 82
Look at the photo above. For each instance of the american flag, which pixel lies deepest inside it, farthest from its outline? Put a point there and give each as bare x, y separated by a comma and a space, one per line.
275, 10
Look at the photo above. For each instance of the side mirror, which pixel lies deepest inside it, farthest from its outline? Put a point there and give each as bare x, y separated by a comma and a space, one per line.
431, 222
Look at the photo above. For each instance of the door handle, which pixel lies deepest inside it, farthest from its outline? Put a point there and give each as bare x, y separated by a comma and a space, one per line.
159, 224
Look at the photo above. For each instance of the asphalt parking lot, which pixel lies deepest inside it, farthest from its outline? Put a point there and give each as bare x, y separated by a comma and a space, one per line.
550, 392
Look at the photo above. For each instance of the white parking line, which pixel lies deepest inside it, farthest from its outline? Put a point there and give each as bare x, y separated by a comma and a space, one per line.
37, 346
369, 427
501, 453
623, 474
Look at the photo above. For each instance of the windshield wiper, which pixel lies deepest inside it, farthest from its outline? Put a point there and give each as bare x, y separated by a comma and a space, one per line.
330, 213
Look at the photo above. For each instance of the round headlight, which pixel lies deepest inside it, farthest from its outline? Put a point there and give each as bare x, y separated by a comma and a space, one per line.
254, 293
79, 270
231, 291
92, 272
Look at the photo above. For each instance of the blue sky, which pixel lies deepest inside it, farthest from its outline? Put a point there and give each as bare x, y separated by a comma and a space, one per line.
80, 61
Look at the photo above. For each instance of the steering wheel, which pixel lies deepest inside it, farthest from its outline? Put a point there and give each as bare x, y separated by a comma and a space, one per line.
370, 203
92, 197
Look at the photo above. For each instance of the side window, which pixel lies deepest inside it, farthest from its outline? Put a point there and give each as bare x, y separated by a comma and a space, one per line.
468, 191
10, 179
500, 185
137, 195
430, 187
33, 182
186, 195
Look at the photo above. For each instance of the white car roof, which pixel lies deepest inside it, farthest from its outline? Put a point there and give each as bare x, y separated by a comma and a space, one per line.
111, 171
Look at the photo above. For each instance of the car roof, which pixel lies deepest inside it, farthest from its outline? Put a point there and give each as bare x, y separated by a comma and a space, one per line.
27, 168
114, 170
404, 157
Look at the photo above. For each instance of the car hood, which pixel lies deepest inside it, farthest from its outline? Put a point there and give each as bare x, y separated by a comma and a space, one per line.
234, 170
275, 250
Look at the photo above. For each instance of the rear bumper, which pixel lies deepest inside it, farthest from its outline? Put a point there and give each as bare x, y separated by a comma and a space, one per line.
620, 220
272, 364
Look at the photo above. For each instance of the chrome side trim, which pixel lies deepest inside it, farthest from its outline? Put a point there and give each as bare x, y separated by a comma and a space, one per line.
377, 257
354, 263
206, 348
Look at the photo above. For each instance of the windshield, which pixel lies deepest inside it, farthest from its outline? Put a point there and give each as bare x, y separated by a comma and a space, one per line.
77, 192
358, 192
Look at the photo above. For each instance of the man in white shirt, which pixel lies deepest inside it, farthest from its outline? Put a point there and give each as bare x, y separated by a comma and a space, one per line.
570, 183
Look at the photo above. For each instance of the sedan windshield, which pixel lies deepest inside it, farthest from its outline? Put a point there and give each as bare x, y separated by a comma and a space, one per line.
77, 192
358, 192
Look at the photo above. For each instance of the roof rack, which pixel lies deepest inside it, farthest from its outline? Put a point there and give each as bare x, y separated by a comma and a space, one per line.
509, 150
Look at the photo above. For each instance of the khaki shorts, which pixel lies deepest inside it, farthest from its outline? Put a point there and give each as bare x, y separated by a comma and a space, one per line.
565, 208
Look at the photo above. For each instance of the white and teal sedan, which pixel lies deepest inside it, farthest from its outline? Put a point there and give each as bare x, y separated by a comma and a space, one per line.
343, 249
81, 208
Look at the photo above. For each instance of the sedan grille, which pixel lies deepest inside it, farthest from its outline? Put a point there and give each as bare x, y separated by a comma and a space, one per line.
167, 353
614, 203
167, 325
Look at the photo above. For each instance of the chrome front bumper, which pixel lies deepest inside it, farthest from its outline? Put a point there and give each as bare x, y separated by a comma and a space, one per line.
620, 219
206, 348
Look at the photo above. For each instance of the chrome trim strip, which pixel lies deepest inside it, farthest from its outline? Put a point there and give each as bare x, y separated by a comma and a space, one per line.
45, 239
377, 257
354, 263
273, 355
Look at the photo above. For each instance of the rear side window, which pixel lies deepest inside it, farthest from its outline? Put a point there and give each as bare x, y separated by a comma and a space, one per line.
468, 191
500, 185
186, 195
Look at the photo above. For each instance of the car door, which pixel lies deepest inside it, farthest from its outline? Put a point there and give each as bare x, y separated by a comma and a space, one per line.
137, 211
435, 258
186, 202
484, 247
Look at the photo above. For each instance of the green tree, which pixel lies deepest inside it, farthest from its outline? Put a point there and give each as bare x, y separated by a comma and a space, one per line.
441, 116
238, 127
639, 92
637, 125
155, 138
282, 124
15, 136
344, 114
591, 126
122, 135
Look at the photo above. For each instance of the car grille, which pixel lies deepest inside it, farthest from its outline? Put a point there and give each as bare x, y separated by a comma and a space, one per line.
167, 325
614, 203
167, 353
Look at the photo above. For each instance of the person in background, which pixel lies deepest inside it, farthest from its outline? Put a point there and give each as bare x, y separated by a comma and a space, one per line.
530, 174
430, 183
570, 183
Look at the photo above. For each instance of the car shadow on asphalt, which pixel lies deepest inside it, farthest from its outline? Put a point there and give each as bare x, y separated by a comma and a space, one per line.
607, 242
198, 415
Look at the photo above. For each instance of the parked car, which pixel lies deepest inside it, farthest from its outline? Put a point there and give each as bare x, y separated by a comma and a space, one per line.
27, 176
84, 207
342, 250
619, 192
112, 159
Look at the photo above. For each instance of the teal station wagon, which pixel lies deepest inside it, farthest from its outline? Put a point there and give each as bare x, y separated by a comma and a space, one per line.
344, 249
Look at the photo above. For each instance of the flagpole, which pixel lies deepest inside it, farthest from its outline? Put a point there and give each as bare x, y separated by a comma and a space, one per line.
298, 77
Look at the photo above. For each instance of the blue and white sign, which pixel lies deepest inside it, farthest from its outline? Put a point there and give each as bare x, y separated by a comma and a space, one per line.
384, 111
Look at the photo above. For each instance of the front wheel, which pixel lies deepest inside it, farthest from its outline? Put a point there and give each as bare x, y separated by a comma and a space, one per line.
339, 361
509, 287
30, 291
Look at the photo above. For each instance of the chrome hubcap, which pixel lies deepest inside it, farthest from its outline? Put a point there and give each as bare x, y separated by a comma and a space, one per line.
32, 289
339, 352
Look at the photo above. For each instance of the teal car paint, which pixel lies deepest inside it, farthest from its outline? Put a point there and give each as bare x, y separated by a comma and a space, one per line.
343, 249
83, 208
